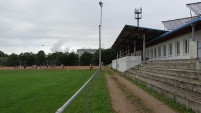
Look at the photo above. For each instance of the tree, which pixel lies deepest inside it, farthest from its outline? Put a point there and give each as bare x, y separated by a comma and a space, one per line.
28, 59
3, 58
108, 55
95, 59
41, 57
86, 59
13, 60
2, 54
72, 59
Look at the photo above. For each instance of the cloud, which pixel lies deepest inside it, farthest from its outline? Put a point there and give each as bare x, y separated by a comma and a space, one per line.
57, 47
27, 24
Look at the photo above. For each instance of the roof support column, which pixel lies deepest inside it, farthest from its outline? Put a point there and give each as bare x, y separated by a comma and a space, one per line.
144, 44
120, 53
193, 32
134, 49
128, 49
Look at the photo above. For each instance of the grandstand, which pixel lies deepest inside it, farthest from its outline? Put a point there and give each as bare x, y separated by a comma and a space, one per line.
167, 61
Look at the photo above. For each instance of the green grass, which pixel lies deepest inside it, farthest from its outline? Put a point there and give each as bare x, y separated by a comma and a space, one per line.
99, 101
44, 91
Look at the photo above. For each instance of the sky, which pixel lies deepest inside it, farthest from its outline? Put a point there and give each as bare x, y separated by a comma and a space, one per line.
68, 25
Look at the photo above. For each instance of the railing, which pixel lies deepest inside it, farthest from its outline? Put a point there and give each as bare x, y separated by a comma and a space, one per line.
93, 77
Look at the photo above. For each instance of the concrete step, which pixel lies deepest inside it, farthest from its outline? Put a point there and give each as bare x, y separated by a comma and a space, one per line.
191, 74
173, 61
186, 97
186, 83
183, 66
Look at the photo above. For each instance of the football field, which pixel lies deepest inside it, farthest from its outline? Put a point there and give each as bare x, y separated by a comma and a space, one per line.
42, 91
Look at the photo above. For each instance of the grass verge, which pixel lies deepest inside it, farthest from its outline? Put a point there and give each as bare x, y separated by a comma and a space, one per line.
99, 101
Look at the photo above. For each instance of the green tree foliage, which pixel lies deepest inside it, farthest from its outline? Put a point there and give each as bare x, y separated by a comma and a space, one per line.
72, 59
51, 59
95, 59
86, 59
27, 59
41, 57
2, 54
3, 58
107, 56
13, 60
57, 58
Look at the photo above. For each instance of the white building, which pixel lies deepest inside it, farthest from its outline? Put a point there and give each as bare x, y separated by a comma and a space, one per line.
136, 44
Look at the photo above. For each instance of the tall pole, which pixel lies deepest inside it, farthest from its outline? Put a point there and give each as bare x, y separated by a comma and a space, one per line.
138, 15
100, 29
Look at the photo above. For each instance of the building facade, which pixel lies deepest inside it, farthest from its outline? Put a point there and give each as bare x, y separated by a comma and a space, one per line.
153, 44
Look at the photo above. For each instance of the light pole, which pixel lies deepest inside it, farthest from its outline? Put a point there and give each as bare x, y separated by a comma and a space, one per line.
100, 28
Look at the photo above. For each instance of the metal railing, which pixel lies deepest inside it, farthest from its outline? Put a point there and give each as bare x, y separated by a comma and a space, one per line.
93, 77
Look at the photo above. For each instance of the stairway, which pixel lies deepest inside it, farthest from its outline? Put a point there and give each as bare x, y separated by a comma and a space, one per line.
175, 79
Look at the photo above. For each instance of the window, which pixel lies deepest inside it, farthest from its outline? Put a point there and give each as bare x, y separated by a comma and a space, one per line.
155, 52
151, 53
147, 53
159, 51
177, 47
186, 46
170, 49
164, 50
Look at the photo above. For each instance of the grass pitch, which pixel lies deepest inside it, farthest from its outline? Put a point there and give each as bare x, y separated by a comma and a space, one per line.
44, 91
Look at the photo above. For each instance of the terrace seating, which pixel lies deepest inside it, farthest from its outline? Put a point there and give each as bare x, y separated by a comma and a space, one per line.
176, 79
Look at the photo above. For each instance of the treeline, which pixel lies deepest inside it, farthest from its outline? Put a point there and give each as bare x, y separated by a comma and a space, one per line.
57, 58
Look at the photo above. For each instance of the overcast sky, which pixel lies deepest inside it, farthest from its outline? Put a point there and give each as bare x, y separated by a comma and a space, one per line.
68, 25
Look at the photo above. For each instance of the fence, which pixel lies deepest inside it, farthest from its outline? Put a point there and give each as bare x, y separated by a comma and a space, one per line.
93, 78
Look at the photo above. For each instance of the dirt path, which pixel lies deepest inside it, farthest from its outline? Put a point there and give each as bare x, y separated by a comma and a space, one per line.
128, 98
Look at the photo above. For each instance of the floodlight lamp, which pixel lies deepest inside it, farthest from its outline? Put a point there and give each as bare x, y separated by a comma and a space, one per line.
101, 4
138, 13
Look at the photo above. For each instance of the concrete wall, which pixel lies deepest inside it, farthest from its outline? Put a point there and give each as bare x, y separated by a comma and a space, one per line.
114, 64
126, 63
198, 35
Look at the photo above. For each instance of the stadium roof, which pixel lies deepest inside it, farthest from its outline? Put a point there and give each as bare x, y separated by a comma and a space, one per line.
173, 24
153, 36
131, 33
184, 29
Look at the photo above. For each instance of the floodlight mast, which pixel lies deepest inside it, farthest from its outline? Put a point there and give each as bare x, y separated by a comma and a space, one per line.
100, 31
138, 15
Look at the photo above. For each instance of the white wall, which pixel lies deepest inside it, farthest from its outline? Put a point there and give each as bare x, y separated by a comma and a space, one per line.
192, 49
114, 64
126, 63
198, 35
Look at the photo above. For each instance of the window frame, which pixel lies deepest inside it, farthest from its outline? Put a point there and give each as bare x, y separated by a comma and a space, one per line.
170, 49
155, 52
164, 50
186, 46
177, 48
159, 52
